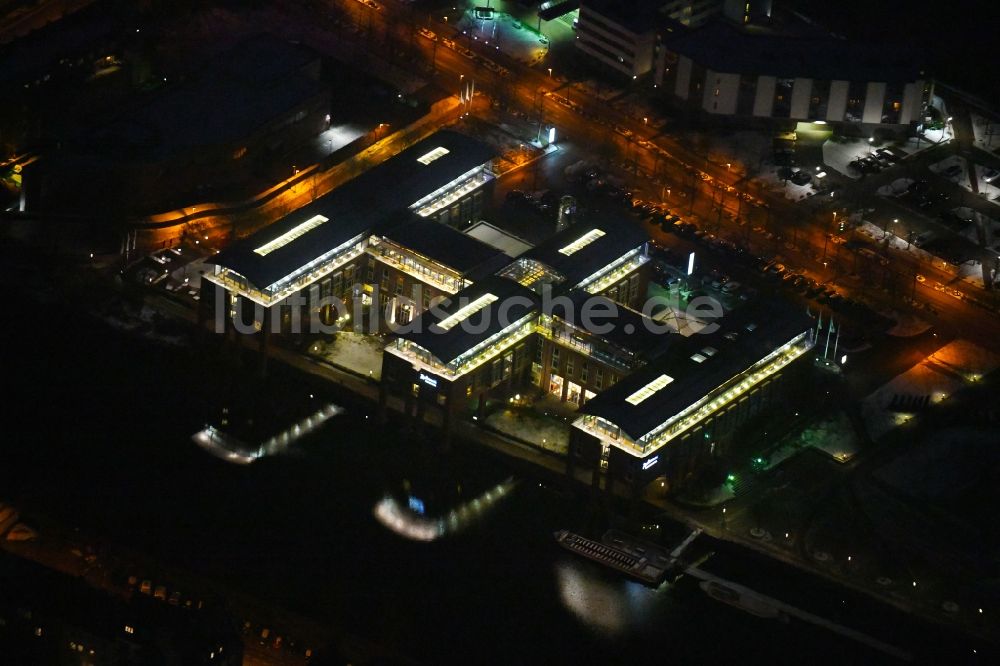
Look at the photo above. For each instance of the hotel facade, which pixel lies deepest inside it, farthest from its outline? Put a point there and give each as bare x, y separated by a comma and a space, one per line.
721, 69
670, 418
467, 324
383, 246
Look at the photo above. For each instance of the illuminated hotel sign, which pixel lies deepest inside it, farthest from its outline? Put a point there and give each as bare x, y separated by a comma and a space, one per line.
649, 389
649, 463
427, 379
581, 242
290, 235
466, 311
433, 155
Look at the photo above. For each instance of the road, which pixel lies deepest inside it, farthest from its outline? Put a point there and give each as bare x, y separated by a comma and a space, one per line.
661, 166
38, 16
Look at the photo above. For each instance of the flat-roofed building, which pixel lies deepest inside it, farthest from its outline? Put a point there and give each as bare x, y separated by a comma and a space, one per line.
463, 349
721, 69
341, 245
460, 354
680, 411
220, 126
581, 351
50, 617
419, 261
620, 35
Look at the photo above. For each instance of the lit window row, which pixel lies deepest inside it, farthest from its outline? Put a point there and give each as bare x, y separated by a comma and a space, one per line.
290, 235
466, 311
604, 278
581, 242
649, 389
701, 409
427, 158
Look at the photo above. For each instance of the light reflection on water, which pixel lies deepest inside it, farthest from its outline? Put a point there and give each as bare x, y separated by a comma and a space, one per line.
402, 519
609, 606
230, 449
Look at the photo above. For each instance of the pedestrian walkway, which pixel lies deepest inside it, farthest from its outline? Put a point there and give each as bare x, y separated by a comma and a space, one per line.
754, 602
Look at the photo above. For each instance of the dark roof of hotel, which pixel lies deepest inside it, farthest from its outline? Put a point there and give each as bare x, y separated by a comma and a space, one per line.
619, 237
356, 207
638, 15
776, 322
238, 92
446, 245
450, 344
628, 330
722, 47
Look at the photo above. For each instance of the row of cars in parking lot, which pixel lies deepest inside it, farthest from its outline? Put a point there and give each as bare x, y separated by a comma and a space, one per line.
466, 52
878, 159
771, 270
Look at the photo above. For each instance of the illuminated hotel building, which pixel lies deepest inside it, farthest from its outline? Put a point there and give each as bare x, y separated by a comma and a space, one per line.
682, 409
521, 327
370, 241
467, 323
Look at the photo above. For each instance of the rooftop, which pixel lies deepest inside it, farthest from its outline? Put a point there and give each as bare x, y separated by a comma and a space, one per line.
577, 251
446, 246
744, 337
627, 329
55, 598
375, 198
722, 47
638, 16
243, 89
498, 238
488, 306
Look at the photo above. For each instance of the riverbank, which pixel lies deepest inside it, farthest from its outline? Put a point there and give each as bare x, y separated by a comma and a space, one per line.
539, 460
297, 528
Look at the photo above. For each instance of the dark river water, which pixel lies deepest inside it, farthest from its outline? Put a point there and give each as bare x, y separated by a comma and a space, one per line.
98, 435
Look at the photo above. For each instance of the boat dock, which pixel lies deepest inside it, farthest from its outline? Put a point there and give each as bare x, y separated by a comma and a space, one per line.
643, 561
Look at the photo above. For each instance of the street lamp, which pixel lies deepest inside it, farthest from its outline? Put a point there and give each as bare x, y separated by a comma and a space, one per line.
550, 72
871, 140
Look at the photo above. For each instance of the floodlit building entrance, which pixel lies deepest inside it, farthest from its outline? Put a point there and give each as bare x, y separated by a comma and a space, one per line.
556, 386
573, 394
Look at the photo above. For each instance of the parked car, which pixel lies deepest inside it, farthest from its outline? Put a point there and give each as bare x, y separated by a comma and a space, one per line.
775, 269
952, 171
887, 154
801, 177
